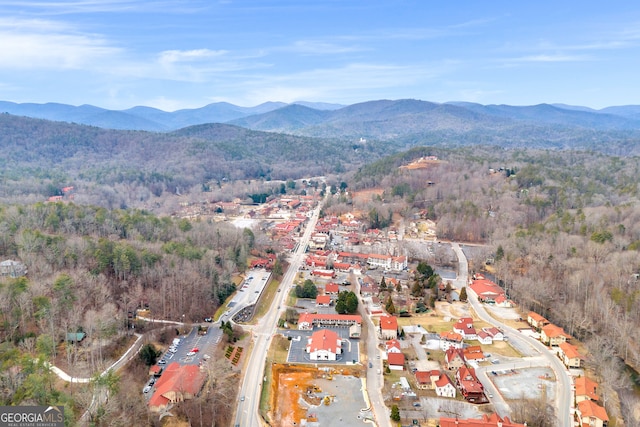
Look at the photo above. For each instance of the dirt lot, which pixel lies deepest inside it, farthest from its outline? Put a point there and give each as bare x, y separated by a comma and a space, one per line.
366, 195
305, 393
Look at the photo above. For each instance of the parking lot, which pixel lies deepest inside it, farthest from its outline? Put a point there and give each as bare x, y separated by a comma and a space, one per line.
528, 383
298, 344
248, 292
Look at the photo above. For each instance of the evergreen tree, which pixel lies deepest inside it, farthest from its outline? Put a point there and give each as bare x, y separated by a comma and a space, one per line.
389, 307
395, 413
463, 294
416, 290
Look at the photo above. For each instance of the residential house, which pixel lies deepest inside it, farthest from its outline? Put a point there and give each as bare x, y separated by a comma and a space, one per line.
464, 327
426, 379
332, 289
393, 346
553, 335
444, 387
449, 339
493, 420
503, 301
75, 337
177, 384
396, 361
473, 354
323, 300
454, 358
324, 345
536, 321
495, 333
591, 414
484, 338
468, 384
388, 329
13, 269
570, 356
586, 389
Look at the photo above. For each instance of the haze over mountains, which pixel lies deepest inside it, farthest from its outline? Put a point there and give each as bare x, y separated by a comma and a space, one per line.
383, 119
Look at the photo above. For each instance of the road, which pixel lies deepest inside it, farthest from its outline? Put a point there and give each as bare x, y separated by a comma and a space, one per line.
247, 414
564, 396
375, 380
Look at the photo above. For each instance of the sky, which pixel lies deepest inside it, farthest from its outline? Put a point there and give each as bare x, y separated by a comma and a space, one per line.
175, 54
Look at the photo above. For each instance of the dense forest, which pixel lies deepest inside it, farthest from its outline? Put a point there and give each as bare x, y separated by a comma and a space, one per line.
559, 228
89, 269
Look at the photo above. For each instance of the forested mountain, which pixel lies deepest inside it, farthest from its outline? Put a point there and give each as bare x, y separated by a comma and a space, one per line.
38, 157
407, 123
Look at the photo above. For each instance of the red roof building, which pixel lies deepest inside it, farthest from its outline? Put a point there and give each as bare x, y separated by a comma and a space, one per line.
324, 345
178, 383
332, 289
323, 300
468, 384
486, 290
388, 327
396, 361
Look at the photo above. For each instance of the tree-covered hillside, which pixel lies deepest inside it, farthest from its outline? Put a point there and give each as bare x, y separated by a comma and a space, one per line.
560, 228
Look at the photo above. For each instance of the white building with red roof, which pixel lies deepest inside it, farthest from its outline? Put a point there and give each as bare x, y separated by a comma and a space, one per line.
495, 333
323, 300
464, 327
307, 321
450, 339
444, 387
393, 346
324, 345
396, 361
388, 328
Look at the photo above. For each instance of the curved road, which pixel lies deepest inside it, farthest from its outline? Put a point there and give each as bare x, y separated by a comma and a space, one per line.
564, 398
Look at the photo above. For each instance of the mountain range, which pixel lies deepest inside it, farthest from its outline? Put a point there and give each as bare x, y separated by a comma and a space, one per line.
382, 119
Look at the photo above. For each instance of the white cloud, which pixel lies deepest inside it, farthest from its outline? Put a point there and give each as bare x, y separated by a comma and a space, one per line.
551, 58
44, 44
170, 57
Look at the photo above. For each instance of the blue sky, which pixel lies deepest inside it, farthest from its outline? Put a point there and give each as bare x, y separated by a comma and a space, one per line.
172, 54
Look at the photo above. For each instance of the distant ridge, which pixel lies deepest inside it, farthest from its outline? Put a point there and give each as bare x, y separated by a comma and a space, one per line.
378, 119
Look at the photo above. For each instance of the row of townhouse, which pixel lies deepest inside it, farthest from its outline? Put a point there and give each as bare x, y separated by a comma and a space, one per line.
588, 411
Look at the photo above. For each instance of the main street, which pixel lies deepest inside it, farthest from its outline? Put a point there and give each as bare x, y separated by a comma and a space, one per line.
247, 414
375, 380
564, 396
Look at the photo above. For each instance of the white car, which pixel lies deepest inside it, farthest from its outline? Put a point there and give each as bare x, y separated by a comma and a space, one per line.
191, 353
147, 389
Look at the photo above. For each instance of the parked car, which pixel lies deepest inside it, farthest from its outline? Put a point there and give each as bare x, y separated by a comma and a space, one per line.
208, 319
146, 389
162, 362
191, 353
